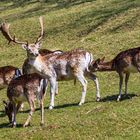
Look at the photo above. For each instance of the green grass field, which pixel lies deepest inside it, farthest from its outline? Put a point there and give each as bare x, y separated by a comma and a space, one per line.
103, 27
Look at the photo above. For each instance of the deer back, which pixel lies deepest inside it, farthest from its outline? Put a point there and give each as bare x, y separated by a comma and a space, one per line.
7, 73
67, 63
128, 60
22, 87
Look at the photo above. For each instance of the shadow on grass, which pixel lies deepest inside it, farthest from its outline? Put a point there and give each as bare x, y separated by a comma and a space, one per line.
2, 114
66, 105
56, 107
114, 97
8, 125
90, 20
4, 125
101, 15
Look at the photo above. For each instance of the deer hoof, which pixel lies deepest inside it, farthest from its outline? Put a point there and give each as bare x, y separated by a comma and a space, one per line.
25, 125
80, 103
42, 124
98, 99
13, 125
118, 99
50, 107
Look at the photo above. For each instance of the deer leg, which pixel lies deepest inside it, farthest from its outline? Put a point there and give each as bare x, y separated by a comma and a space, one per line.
41, 99
14, 115
45, 84
126, 82
20, 106
52, 92
94, 78
32, 109
120, 86
56, 89
83, 81
42, 112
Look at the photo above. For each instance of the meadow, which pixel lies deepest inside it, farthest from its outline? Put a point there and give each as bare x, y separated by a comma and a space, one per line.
103, 27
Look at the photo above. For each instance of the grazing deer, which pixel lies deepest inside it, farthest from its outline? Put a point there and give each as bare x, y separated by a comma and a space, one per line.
64, 66
25, 88
7, 73
124, 63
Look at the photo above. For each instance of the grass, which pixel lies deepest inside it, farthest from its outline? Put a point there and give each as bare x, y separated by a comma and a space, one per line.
103, 27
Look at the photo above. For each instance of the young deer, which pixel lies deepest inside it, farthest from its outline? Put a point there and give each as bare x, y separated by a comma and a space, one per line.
124, 63
25, 88
7, 73
64, 66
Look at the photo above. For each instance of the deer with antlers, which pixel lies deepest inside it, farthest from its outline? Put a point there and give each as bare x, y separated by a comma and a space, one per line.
28, 69
64, 66
124, 63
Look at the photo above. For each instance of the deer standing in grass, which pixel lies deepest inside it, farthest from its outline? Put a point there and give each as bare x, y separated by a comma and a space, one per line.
124, 63
65, 66
25, 88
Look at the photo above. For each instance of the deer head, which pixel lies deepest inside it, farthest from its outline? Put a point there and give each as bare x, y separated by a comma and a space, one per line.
32, 49
97, 64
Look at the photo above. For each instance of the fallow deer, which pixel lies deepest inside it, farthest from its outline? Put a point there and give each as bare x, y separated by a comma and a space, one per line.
124, 63
65, 66
28, 69
25, 88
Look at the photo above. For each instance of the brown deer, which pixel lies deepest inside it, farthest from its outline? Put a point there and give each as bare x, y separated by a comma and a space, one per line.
7, 73
124, 63
25, 88
64, 66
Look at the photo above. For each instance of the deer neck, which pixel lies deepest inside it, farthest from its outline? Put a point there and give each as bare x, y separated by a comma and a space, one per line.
107, 66
36, 63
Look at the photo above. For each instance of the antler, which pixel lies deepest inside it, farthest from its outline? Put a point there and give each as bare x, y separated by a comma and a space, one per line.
5, 31
41, 33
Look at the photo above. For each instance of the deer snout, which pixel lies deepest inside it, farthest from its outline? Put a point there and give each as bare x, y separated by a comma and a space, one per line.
36, 54
93, 68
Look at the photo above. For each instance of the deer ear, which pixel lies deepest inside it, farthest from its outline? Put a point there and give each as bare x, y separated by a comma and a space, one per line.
102, 60
24, 46
98, 61
5, 103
